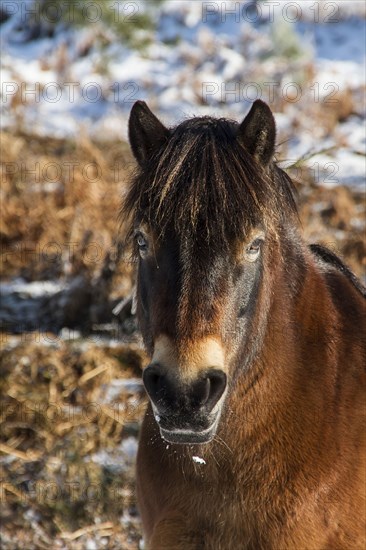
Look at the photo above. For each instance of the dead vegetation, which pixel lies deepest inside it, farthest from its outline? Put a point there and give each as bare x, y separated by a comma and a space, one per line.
58, 417
60, 204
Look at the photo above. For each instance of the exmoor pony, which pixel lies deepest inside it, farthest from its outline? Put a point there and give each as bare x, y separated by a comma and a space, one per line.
254, 436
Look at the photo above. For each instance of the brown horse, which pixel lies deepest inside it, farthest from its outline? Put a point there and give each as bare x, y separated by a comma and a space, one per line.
254, 437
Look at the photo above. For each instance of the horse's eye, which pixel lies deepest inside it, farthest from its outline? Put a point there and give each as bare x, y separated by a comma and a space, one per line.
141, 242
253, 250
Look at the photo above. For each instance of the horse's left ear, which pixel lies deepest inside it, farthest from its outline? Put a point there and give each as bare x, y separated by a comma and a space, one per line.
146, 133
257, 132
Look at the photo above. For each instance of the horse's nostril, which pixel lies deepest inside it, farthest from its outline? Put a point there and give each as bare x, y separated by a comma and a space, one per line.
209, 389
217, 387
153, 380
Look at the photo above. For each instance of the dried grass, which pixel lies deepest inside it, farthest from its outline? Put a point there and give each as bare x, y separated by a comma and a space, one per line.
60, 203
54, 418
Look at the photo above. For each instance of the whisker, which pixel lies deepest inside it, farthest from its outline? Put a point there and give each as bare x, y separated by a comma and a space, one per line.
222, 442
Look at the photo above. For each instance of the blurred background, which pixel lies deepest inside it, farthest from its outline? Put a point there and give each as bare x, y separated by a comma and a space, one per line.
71, 355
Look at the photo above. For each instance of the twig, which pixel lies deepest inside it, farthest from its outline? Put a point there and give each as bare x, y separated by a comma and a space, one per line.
108, 525
28, 456
95, 372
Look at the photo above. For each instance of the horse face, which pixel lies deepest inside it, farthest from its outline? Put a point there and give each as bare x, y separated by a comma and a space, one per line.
199, 240
192, 305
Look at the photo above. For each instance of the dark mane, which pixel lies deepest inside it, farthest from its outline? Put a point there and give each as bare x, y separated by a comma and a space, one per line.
331, 259
206, 183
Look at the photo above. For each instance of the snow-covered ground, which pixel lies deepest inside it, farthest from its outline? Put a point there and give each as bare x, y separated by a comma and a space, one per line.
202, 58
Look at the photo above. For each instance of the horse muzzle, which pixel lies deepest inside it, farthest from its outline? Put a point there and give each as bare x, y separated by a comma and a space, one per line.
186, 412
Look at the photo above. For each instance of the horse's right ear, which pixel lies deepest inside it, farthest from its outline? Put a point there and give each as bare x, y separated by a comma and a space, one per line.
257, 132
146, 133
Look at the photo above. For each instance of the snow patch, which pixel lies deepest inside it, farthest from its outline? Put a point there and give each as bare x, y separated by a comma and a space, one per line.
118, 459
119, 386
33, 289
